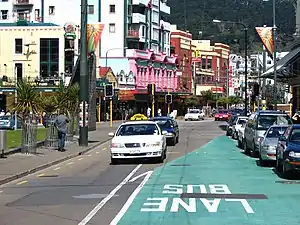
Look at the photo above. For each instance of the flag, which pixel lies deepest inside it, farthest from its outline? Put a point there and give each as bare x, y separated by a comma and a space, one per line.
266, 36
94, 32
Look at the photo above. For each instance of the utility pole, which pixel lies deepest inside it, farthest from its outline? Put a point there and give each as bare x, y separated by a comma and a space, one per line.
153, 98
274, 55
84, 78
246, 69
194, 79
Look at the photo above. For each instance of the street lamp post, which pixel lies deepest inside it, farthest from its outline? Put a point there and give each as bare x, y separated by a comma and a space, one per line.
246, 55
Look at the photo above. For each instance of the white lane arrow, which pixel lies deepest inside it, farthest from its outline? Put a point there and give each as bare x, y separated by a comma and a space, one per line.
139, 176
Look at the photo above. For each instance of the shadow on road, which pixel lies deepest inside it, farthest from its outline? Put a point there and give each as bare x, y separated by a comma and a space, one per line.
223, 127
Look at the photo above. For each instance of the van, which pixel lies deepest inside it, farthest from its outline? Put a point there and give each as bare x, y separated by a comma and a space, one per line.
258, 123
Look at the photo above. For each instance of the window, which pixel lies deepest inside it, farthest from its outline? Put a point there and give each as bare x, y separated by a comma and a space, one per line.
112, 28
37, 14
51, 10
203, 63
49, 57
19, 46
19, 70
209, 61
4, 14
155, 17
112, 8
90, 9
143, 31
155, 35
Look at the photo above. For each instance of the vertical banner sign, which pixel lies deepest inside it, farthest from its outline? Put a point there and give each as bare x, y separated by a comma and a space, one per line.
266, 36
94, 32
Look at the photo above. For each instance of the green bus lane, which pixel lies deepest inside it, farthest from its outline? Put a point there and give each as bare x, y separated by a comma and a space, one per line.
213, 185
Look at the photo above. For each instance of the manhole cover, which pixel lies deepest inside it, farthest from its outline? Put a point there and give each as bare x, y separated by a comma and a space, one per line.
181, 165
287, 182
49, 176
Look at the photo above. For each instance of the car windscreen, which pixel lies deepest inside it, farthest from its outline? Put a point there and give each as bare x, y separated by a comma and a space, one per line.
295, 135
194, 111
242, 121
223, 112
5, 117
137, 129
265, 121
275, 132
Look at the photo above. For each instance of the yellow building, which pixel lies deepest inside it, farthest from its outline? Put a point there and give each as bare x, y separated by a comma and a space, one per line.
34, 51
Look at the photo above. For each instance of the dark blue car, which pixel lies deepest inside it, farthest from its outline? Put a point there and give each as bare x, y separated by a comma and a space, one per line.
170, 125
288, 151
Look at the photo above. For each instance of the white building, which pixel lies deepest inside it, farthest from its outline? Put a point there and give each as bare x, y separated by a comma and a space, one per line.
58, 12
141, 25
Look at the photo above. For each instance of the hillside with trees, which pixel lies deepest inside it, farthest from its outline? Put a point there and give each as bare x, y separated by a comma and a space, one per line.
196, 16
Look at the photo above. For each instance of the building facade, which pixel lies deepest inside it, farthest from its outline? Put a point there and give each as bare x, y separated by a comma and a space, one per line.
47, 11
181, 45
211, 67
134, 24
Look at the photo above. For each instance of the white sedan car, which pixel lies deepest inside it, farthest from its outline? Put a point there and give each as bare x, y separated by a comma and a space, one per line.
138, 139
241, 135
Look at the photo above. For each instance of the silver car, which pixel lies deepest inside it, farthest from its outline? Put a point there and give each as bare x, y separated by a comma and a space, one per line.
267, 147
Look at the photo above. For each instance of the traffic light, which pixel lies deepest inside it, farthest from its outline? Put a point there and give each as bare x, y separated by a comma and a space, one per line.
256, 89
108, 90
287, 88
168, 99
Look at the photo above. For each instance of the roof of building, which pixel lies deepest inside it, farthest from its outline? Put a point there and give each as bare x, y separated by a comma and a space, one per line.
26, 24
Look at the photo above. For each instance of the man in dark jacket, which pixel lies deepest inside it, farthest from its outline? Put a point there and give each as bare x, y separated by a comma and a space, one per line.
61, 123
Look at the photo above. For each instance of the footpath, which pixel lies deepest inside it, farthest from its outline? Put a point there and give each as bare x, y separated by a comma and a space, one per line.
19, 165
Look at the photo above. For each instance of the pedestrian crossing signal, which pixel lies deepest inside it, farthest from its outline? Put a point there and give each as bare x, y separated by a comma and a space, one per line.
168, 99
108, 90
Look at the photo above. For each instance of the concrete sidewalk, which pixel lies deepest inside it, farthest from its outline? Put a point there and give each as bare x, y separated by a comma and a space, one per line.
19, 165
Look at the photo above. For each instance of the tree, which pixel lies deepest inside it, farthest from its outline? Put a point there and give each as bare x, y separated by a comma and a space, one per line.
207, 97
234, 100
28, 100
222, 101
191, 101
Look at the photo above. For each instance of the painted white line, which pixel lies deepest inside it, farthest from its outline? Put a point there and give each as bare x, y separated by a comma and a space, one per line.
130, 200
22, 182
1, 191
80, 159
139, 176
103, 149
97, 152
109, 196
40, 175
89, 155
70, 163
57, 168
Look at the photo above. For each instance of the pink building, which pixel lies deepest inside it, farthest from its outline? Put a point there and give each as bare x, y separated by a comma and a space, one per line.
151, 68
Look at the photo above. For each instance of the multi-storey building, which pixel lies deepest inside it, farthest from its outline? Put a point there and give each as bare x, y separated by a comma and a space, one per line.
48, 11
134, 24
181, 45
211, 66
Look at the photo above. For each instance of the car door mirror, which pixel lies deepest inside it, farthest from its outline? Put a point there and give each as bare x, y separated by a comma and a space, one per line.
282, 138
164, 132
111, 134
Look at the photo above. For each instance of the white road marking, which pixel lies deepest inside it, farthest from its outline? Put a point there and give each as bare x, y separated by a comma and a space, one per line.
70, 163
57, 168
80, 159
104, 149
139, 176
126, 206
97, 152
22, 182
109, 196
40, 175
1, 191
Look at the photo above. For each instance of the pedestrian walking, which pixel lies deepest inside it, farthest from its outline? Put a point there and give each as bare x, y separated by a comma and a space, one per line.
61, 123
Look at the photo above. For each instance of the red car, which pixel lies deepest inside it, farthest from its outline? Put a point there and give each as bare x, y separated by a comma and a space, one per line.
222, 115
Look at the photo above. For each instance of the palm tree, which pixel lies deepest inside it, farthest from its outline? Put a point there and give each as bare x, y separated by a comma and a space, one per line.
207, 97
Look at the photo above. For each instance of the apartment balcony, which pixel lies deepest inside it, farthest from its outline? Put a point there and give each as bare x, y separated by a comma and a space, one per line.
138, 18
134, 34
165, 25
140, 2
23, 3
164, 8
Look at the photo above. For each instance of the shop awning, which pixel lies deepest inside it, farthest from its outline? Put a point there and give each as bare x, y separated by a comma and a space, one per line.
283, 65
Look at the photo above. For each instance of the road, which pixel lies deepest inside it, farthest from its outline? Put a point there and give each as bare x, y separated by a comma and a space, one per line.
205, 180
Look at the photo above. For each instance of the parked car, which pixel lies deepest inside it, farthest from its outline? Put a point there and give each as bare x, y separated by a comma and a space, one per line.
237, 124
241, 131
194, 114
169, 125
8, 122
230, 124
267, 148
138, 139
222, 115
258, 123
288, 151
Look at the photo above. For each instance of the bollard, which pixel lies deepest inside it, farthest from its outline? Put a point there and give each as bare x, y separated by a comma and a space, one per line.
29, 136
2, 142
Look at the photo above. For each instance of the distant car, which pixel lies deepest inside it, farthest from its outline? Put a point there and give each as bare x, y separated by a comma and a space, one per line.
169, 125
267, 148
194, 114
240, 139
7, 122
288, 151
222, 115
138, 139
238, 123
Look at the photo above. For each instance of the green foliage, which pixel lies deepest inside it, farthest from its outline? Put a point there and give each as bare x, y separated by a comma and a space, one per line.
231, 100
199, 16
191, 101
222, 101
207, 97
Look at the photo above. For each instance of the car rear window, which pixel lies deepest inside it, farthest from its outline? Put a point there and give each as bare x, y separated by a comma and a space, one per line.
264, 122
275, 132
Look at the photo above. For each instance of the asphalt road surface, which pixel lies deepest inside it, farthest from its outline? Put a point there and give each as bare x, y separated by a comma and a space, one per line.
205, 180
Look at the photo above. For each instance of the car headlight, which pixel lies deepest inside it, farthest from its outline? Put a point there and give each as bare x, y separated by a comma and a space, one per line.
117, 145
170, 134
292, 154
156, 144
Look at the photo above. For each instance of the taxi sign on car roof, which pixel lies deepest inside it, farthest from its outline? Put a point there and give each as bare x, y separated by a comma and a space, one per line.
139, 116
